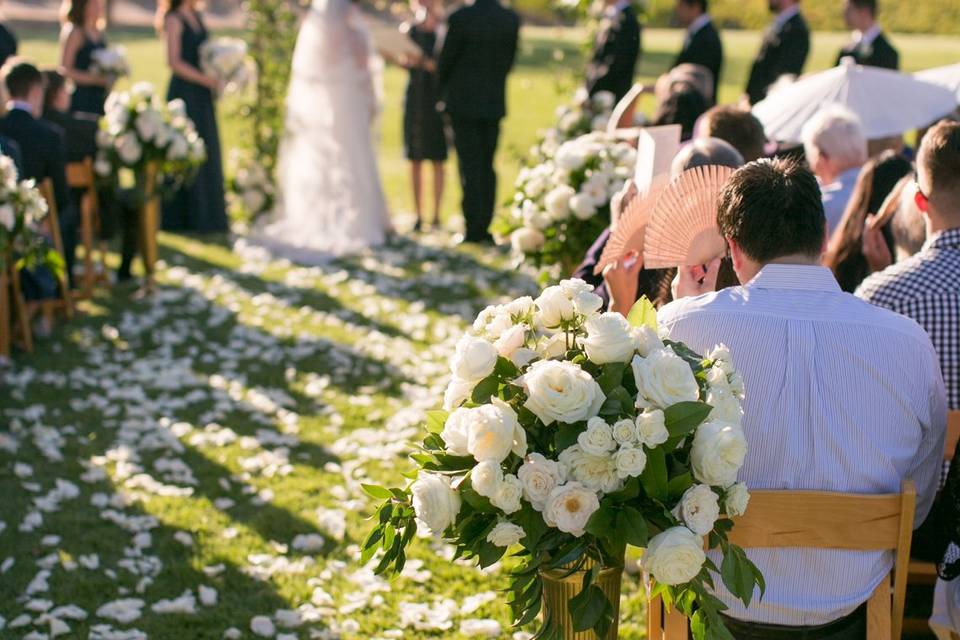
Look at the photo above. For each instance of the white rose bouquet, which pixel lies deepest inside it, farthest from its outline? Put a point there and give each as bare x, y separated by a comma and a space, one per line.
22, 209
568, 434
227, 60
583, 115
110, 62
250, 192
563, 204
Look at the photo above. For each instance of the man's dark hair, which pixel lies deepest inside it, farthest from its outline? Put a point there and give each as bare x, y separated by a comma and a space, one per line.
703, 4
738, 127
53, 83
773, 208
939, 156
20, 77
870, 5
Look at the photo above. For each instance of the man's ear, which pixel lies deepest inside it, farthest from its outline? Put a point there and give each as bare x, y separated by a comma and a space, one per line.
921, 201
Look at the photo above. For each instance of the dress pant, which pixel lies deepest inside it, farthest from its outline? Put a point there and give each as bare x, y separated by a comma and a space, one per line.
851, 627
476, 142
69, 230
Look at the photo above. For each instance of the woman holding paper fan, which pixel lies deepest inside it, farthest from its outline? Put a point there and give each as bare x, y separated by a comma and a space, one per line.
199, 206
80, 39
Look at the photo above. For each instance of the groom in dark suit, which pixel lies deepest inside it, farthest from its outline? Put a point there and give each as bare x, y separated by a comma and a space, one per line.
870, 46
478, 52
784, 49
702, 45
616, 50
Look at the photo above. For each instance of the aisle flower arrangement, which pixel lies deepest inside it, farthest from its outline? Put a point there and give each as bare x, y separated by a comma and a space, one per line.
250, 192
22, 209
563, 204
227, 60
566, 435
583, 115
110, 62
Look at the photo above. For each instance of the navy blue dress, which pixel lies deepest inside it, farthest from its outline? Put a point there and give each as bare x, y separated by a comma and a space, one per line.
423, 133
199, 206
8, 44
88, 98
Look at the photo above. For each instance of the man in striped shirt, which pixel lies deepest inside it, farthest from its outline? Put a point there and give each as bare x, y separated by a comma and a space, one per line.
840, 395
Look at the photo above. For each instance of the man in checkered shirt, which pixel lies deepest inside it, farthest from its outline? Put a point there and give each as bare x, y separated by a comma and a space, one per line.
926, 286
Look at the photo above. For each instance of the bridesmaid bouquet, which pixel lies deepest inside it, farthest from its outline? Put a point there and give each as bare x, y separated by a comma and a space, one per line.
110, 62
227, 60
22, 208
568, 434
562, 204
251, 191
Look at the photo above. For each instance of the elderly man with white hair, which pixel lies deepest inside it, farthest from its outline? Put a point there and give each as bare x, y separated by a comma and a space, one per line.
836, 149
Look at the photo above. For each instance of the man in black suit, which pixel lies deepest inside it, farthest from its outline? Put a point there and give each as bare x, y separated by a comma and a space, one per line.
702, 45
42, 149
478, 52
783, 51
870, 46
79, 130
616, 50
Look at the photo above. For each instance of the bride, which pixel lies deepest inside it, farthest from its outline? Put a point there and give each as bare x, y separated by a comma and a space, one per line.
331, 201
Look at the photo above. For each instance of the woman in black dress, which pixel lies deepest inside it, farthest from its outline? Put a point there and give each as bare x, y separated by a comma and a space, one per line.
8, 44
424, 138
80, 37
199, 206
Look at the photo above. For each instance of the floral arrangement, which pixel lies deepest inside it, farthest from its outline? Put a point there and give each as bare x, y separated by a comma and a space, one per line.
568, 434
227, 60
563, 204
585, 114
251, 191
139, 128
110, 62
22, 209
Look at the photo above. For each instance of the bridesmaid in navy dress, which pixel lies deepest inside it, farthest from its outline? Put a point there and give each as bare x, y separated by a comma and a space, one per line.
8, 44
199, 206
80, 37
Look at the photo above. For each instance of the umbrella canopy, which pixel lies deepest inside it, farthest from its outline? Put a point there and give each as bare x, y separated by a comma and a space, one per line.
888, 103
948, 76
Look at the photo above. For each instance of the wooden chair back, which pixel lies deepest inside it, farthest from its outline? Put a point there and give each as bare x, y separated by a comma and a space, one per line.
822, 520
65, 303
81, 176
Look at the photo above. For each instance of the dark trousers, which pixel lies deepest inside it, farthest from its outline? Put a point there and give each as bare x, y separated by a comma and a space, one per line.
69, 218
851, 627
476, 142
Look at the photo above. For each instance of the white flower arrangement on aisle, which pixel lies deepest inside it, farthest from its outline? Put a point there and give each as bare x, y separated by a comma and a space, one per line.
568, 434
251, 190
563, 204
584, 115
22, 209
110, 62
227, 60
139, 128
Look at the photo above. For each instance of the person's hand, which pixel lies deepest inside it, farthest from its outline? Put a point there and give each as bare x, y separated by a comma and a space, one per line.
696, 280
621, 279
875, 248
428, 64
621, 200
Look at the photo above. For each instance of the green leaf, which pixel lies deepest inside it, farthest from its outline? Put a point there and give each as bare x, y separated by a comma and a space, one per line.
619, 402
737, 574
436, 420
643, 313
434, 442
455, 463
682, 418
678, 485
376, 491
589, 610
611, 376
600, 523
490, 553
389, 534
485, 389
567, 434
474, 499
631, 489
654, 476
532, 523
634, 527
505, 369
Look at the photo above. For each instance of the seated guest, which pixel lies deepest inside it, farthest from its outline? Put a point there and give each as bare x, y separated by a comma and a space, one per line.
702, 45
11, 149
841, 396
845, 250
835, 149
8, 44
684, 106
79, 131
736, 126
869, 46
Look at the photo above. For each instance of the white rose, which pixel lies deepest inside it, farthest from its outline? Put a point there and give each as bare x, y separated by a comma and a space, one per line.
570, 156
7, 218
178, 149
736, 384
103, 167
508, 494
569, 508
458, 391
456, 432
557, 202
598, 473
129, 149
603, 100
587, 303
539, 476
647, 340
554, 307
674, 556
494, 432
625, 431
254, 200
663, 379
510, 340
652, 428
736, 499
527, 240
726, 407
553, 346
722, 359
598, 439
435, 503
630, 461
561, 391
147, 125
571, 287
505, 534
608, 339
699, 509
474, 359
582, 206
520, 306
718, 452
486, 478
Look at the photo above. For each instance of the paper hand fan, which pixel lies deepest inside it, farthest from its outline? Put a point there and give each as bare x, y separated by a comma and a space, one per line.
629, 232
683, 226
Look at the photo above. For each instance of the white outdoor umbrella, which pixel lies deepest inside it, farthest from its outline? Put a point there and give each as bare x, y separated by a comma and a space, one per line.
948, 76
888, 103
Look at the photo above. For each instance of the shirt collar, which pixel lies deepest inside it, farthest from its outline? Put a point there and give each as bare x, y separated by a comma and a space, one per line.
20, 106
784, 16
866, 38
796, 277
949, 239
702, 20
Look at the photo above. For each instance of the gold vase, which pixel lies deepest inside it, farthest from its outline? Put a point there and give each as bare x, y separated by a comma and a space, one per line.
558, 588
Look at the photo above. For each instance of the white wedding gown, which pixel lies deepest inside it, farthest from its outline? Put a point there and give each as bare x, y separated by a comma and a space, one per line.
330, 201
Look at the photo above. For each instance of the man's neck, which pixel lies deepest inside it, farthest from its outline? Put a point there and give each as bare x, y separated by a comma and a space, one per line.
20, 105
797, 260
937, 223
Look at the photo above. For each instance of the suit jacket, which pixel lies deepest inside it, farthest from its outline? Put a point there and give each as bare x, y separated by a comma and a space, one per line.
783, 51
615, 55
42, 150
79, 134
478, 52
11, 149
879, 53
706, 49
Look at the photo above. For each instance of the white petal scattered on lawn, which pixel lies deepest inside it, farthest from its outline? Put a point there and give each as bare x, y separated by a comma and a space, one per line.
262, 626
480, 628
124, 610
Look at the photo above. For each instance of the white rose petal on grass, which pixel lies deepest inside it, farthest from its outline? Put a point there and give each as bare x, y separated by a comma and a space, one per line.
455, 432
124, 610
474, 359
561, 391
630, 461
718, 452
435, 503
308, 542
539, 476
505, 534
699, 509
674, 556
508, 494
652, 428
625, 432
663, 379
736, 500
569, 507
262, 626
494, 432
486, 478
208, 595
609, 339
480, 628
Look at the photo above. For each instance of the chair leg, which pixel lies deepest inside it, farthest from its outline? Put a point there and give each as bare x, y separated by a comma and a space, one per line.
20, 308
86, 233
5, 337
879, 625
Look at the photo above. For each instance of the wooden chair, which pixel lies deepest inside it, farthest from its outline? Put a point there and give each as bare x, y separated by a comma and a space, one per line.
64, 303
821, 520
80, 175
13, 307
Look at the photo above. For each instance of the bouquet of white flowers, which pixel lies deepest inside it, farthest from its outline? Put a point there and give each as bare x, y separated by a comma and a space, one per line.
563, 204
568, 434
227, 60
139, 128
585, 114
22, 208
251, 191
110, 62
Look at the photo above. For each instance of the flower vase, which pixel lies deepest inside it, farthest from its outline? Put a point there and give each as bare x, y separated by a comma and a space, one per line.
559, 586
149, 219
